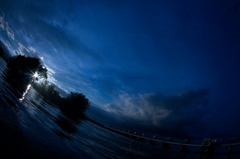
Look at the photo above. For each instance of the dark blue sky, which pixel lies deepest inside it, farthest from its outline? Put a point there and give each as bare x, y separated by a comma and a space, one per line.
173, 64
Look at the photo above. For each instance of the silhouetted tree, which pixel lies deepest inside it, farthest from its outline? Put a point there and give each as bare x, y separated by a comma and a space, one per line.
20, 74
4, 53
20, 70
74, 106
48, 92
1, 52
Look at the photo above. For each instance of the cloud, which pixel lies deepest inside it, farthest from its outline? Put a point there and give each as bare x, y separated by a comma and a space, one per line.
4, 26
167, 113
47, 27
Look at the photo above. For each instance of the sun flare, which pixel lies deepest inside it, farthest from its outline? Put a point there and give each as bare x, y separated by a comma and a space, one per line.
35, 75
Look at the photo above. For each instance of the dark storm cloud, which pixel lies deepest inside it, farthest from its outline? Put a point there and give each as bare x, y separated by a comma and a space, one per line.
167, 113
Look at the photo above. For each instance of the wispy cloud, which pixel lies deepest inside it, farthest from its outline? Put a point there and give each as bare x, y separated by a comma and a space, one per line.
4, 26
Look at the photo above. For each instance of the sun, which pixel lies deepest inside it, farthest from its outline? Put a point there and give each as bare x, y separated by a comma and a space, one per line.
35, 75
37, 78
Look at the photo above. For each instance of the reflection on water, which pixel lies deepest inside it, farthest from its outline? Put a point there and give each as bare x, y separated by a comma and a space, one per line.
33, 128
24, 93
66, 124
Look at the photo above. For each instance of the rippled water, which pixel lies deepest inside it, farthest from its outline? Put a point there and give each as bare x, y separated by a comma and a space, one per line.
33, 128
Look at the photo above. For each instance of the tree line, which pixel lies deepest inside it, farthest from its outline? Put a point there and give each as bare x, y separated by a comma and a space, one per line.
20, 73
